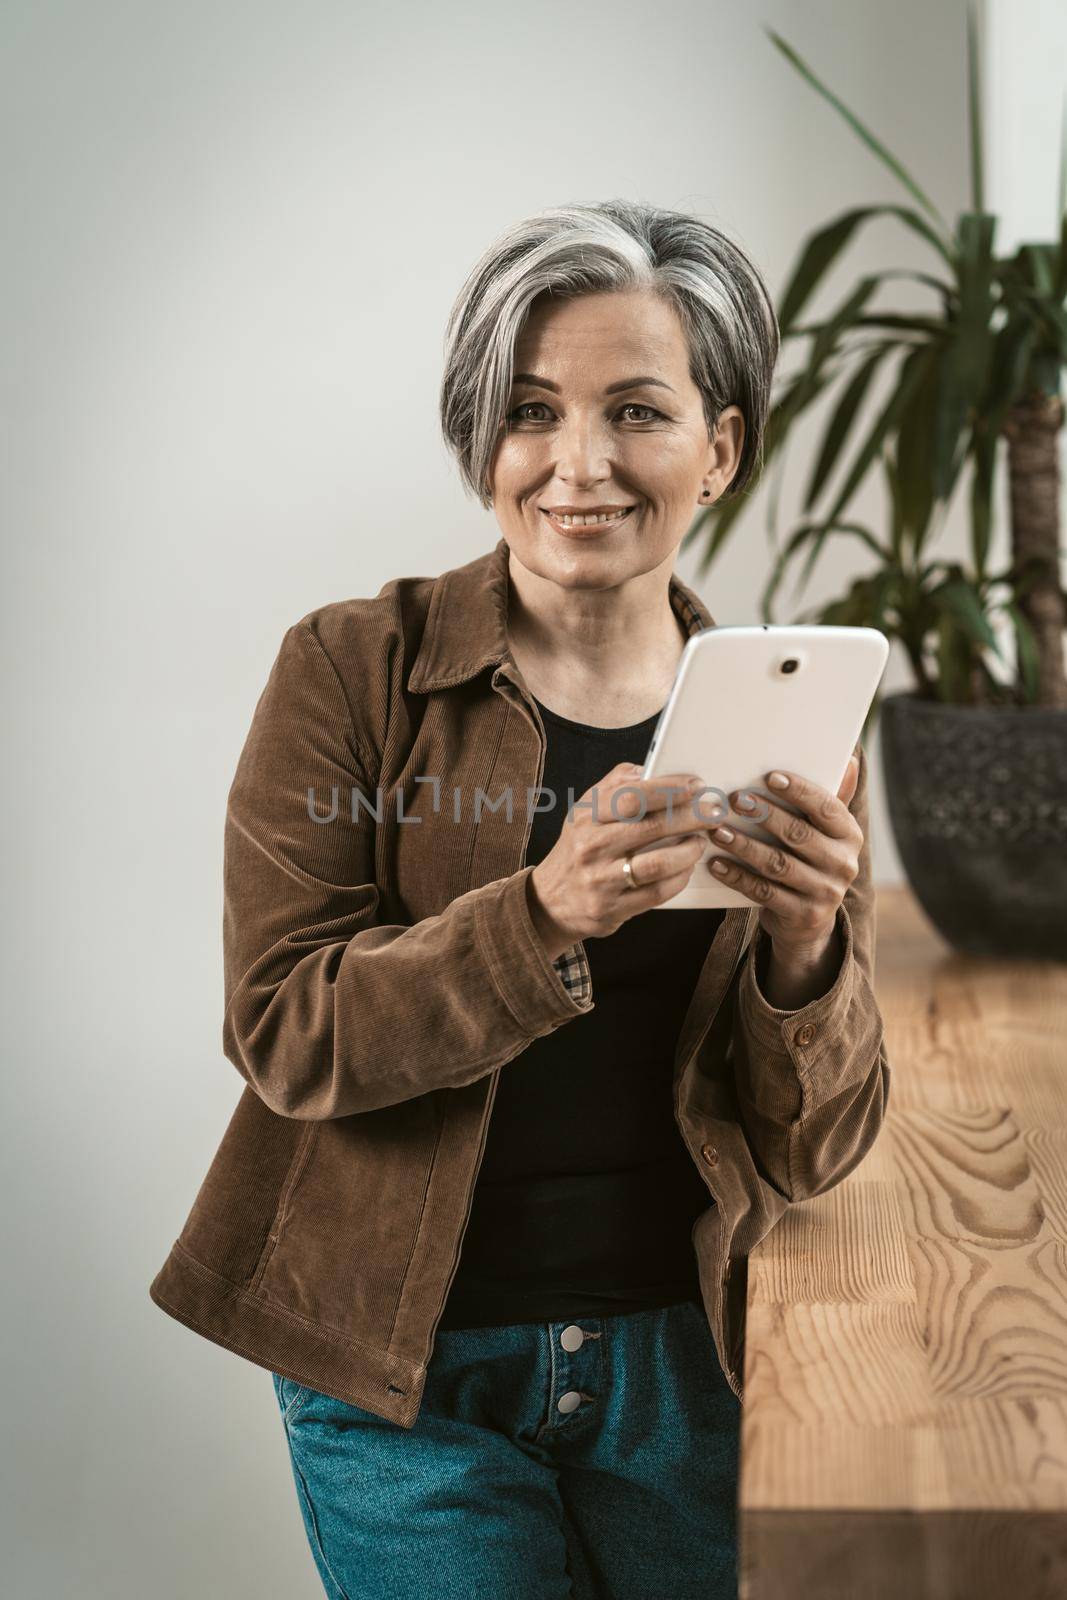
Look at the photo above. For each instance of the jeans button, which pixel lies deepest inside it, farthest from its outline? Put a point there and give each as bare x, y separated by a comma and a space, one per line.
569, 1401
572, 1338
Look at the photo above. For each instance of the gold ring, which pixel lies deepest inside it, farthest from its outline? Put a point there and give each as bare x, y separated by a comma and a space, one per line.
628, 873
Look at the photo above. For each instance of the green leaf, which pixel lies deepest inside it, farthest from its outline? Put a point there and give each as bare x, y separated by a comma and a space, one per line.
957, 596
716, 523
896, 523
908, 324
821, 250
815, 533
965, 366
816, 257
1060, 286
984, 456
858, 127
954, 659
823, 530
865, 605
811, 384
915, 438
909, 378
1021, 578
953, 400
1042, 261
882, 319
1013, 346
841, 421
946, 290
846, 317
1058, 318
1025, 650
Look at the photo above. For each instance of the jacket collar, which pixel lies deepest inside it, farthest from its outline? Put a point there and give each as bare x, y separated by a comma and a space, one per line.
466, 624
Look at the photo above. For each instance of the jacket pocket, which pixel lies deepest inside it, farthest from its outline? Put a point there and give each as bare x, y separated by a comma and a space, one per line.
344, 1235
299, 1162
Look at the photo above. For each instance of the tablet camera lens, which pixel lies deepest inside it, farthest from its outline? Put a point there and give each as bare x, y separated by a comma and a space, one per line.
790, 665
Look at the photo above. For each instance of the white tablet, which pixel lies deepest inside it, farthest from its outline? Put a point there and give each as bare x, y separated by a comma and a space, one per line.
748, 699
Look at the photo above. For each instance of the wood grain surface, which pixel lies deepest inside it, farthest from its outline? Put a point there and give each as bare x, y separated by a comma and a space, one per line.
904, 1432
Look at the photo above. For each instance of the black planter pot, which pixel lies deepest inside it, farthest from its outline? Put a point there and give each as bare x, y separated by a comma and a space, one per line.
978, 802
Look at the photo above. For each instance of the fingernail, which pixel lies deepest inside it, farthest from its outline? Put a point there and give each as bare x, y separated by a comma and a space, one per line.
695, 784
746, 802
718, 865
778, 780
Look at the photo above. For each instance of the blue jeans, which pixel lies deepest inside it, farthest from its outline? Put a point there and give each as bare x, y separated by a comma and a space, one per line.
535, 1471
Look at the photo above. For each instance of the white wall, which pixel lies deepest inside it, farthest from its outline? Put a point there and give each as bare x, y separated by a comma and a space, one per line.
235, 231
1025, 85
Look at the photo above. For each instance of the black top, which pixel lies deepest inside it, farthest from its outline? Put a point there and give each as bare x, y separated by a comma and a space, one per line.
586, 1196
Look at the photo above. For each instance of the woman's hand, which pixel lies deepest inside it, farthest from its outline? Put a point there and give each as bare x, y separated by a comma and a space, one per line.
579, 889
801, 882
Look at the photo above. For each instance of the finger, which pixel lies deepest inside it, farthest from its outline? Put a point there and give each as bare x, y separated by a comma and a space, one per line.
656, 893
781, 865
760, 890
666, 860
823, 810
655, 794
650, 891
793, 837
663, 804
851, 780
632, 795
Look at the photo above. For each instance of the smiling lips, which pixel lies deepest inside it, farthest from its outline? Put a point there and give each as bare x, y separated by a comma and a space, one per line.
588, 522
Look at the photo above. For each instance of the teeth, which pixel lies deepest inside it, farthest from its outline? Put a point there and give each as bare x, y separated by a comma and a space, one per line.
586, 521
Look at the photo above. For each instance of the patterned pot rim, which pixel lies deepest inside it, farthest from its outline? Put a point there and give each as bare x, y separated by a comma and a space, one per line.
914, 704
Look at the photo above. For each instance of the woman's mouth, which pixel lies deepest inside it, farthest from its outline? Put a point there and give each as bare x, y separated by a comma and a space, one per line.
583, 528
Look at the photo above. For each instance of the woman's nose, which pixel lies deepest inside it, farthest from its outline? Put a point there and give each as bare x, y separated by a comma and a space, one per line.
583, 452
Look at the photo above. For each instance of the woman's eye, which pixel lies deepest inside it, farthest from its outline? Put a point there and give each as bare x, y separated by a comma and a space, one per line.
533, 405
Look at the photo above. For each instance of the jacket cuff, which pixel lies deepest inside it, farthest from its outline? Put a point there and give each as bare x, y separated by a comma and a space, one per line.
540, 993
813, 1042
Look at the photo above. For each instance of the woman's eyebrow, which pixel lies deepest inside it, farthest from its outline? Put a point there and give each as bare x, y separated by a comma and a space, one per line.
613, 388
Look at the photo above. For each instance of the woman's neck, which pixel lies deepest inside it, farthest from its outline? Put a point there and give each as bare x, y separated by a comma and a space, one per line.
594, 664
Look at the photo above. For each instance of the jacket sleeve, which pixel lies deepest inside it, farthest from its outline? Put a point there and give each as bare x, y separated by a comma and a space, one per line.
813, 1083
328, 1012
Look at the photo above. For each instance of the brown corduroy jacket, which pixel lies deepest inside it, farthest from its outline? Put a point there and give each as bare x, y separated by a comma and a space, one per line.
382, 968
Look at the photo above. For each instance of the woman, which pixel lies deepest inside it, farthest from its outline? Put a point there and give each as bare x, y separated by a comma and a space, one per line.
505, 1133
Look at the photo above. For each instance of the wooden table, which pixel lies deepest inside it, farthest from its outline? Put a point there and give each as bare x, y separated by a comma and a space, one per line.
904, 1433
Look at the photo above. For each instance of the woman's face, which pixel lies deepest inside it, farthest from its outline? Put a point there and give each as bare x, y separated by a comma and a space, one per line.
582, 433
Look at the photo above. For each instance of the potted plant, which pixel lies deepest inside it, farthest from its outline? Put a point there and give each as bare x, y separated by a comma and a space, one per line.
975, 756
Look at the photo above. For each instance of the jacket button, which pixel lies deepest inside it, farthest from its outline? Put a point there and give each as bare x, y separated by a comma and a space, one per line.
710, 1154
806, 1034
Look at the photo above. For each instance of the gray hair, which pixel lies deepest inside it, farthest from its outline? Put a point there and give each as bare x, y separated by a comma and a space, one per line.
720, 297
